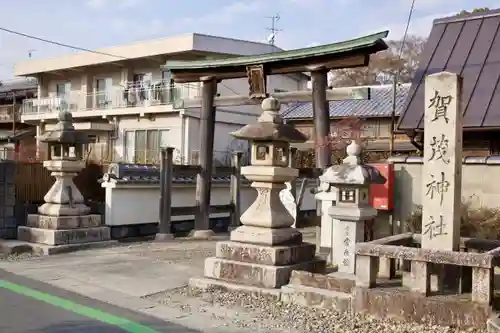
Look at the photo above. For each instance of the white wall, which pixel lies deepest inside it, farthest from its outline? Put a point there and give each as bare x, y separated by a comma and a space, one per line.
480, 184
224, 142
122, 201
170, 121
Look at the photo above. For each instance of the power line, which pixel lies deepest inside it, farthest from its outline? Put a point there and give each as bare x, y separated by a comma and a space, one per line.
403, 42
48, 41
396, 78
58, 43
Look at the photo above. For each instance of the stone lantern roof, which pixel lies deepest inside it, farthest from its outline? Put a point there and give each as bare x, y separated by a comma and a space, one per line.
352, 171
270, 126
64, 132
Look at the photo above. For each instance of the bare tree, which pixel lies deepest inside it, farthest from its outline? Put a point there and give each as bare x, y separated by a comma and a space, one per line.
384, 65
475, 10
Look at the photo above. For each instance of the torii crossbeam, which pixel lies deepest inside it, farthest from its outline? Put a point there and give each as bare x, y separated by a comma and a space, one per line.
318, 60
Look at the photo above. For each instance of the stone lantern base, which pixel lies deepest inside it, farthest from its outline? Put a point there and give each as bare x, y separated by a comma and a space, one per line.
264, 266
63, 223
266, 249
63, 231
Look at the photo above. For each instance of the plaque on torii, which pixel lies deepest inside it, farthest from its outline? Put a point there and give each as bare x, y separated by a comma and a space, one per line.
318, 60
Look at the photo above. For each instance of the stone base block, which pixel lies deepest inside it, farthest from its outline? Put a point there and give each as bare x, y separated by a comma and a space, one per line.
266, 236
63, 237
17, 247
266, 255
163, 237
457, 310
207, 284
316, 297
63, 222
201, 234
258, 275
337, 282
54, 209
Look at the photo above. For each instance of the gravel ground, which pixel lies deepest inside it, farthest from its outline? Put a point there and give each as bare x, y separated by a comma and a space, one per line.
261, 314
17, 257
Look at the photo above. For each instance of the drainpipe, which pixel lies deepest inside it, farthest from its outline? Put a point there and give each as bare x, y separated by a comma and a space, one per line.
183, 136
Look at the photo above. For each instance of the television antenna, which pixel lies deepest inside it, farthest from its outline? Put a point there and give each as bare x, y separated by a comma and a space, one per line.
30, 53
273, 29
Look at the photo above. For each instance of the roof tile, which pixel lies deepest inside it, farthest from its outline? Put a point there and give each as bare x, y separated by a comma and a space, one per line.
379, 105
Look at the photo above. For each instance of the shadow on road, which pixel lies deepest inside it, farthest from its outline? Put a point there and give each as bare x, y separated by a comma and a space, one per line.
98, 327
79, 327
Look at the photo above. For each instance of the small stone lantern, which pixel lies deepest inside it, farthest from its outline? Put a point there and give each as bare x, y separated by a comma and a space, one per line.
352, 180
265, 249
64, 219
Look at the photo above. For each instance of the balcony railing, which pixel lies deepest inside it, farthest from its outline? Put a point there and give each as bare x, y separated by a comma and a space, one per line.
135, 96
8, 111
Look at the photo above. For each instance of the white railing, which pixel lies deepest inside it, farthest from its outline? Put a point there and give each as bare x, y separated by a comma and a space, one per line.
117, 97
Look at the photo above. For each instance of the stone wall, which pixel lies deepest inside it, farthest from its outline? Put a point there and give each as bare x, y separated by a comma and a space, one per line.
8, 224
480, 183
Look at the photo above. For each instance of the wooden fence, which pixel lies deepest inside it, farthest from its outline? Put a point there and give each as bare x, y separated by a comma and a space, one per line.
33, 181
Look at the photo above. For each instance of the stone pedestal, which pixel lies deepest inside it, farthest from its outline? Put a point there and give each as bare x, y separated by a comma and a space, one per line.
64, 219
265, 250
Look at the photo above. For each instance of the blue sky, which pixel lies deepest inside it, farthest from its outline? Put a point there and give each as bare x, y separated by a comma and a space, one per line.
99, 23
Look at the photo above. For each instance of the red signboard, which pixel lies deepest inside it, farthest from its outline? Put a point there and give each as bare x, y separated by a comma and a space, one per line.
382, 195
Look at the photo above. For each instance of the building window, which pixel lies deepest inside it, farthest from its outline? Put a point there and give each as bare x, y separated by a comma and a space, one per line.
143, 146
103, 91
63, 89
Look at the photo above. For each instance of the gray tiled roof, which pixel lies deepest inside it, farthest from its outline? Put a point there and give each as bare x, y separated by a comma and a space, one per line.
379, 105
21, 84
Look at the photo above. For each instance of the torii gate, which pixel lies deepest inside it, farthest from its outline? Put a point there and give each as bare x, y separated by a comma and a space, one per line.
318, 60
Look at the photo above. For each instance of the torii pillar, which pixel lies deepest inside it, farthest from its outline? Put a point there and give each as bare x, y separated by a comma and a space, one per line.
321, 114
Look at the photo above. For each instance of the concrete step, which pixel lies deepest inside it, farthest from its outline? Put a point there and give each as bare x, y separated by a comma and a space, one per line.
316, 297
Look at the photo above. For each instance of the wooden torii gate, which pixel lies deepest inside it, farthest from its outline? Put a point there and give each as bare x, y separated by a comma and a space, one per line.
318, 60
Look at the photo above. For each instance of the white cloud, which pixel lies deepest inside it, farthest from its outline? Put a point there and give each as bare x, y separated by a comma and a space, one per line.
100, 4
96, 4
225, 15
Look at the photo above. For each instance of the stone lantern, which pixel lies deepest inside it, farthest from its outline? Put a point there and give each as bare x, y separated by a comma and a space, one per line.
351, 180
265, 249
64, 219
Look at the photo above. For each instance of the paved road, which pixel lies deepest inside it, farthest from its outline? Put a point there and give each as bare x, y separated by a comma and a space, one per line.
28, 306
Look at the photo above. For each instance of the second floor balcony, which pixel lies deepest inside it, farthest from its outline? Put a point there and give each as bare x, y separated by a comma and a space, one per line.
9, 113
114, 101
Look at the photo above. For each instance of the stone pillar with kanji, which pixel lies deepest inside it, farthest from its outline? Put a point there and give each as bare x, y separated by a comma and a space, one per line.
266, 248
441, 177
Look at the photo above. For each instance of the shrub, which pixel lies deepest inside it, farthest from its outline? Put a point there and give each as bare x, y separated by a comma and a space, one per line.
478, 222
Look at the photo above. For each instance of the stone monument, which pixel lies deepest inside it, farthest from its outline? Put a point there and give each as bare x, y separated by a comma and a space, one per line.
442, 173
64, 221
442, 170
265, 249
351, 180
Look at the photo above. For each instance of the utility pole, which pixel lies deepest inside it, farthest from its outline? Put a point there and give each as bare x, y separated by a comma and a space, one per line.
274, 31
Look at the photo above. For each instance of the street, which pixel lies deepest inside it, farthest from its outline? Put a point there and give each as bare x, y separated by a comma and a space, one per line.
28, 306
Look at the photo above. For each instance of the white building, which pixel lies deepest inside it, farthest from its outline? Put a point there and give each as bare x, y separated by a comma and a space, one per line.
121, 96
